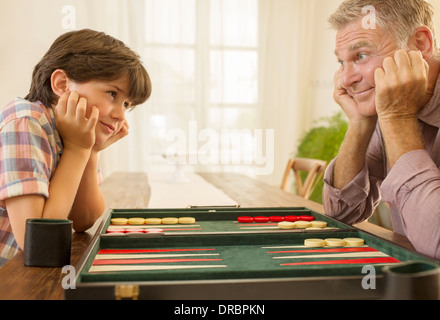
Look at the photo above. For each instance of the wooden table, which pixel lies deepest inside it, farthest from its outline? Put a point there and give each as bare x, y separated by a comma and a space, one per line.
131, 190
121, 190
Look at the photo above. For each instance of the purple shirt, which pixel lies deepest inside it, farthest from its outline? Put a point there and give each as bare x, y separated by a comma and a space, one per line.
411, 187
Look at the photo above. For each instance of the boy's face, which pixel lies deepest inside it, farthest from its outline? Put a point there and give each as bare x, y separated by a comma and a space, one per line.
111, 100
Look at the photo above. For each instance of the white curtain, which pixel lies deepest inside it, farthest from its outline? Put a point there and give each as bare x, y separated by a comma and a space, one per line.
125, 21
285, 61
295, 67
287, 78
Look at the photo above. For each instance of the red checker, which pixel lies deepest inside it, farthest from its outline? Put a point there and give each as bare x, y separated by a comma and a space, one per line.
276, 218
116, 231
111, 229
291, 218
153, 230
261, 219
245, 219
134, 230
306, 218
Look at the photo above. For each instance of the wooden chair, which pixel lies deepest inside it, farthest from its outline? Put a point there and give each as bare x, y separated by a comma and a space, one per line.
315, 169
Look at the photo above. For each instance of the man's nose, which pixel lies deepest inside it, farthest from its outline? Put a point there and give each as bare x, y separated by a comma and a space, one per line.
350, 75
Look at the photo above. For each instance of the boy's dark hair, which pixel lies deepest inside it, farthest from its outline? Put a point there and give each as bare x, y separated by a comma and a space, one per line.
87, 55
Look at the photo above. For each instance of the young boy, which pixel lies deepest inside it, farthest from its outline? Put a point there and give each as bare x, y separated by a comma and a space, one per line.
49, 141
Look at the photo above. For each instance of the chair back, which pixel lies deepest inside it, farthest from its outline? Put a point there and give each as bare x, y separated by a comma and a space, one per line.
315, 169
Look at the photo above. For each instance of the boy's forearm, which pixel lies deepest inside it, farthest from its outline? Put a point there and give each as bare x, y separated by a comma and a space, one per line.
89, 202
62, 190
64, 184
67, 189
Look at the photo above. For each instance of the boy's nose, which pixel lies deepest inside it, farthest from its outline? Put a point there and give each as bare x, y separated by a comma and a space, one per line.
118, 112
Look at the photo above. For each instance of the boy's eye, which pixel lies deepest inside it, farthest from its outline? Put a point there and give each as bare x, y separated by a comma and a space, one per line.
112, 93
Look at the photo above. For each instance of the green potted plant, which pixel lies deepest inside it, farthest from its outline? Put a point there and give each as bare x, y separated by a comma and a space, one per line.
323, 142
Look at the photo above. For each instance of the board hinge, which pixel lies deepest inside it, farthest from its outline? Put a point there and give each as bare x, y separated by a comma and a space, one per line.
127, 292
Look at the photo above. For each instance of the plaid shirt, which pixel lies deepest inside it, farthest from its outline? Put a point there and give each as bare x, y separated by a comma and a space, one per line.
30, 149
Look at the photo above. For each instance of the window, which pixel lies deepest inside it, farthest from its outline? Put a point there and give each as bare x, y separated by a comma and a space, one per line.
202, 57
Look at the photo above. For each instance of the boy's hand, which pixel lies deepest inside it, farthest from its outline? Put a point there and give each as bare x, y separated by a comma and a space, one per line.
123, 132
76, 130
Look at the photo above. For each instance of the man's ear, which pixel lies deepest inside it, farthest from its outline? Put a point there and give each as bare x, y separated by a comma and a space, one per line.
59, 82
422, 39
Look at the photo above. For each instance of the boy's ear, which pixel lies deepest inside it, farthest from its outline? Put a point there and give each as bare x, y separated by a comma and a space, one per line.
59, 82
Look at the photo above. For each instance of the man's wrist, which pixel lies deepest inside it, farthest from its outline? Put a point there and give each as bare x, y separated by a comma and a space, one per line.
363, 128
401, 135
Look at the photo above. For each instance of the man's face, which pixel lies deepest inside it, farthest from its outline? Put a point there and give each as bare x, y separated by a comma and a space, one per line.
360, 52
111, 100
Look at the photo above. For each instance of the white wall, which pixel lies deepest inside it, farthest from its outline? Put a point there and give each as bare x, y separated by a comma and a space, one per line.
325, 64
27, 29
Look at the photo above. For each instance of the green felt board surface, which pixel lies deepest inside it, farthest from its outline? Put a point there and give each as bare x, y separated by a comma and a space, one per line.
242, 253
251, 273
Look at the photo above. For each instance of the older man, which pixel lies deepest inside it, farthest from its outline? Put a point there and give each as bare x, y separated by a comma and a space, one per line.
388, 86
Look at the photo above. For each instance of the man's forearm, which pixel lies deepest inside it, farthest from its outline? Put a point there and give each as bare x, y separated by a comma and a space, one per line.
400, 136
351, 156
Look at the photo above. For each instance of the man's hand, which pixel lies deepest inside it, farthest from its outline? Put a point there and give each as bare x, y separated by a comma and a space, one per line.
401, 85
76, 130
343, 99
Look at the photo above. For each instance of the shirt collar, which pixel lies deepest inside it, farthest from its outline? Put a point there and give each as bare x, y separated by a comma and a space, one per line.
430, 114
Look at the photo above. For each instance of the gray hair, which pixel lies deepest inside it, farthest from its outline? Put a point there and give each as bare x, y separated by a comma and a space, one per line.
397, 17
